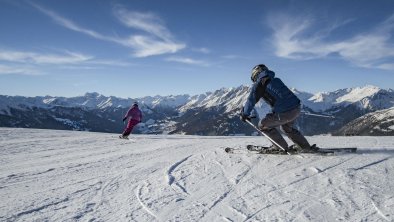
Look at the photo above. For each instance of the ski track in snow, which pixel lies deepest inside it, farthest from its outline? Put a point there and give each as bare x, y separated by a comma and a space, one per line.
171, 178
48, 175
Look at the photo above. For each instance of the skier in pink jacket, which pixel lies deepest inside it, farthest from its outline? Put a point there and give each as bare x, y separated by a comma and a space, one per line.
135, 116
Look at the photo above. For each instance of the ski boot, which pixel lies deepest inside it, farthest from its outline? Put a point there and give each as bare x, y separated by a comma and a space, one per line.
311, 149
123, 137
272, 149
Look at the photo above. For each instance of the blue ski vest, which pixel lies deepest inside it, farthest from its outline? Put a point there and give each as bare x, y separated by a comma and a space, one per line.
274, 92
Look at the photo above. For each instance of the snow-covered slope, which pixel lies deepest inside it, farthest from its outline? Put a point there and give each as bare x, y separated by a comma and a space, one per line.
80, 176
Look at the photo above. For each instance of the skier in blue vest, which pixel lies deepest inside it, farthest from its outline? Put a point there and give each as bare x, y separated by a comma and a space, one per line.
285, 108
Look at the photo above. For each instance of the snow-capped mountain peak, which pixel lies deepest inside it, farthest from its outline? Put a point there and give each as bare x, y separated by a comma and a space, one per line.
230, 98
211, 113
368, 97
357, 94
364, 97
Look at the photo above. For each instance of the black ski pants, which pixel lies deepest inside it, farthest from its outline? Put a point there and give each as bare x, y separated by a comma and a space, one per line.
286, 121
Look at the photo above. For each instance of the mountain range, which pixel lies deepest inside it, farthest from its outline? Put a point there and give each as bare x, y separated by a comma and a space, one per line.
211, 113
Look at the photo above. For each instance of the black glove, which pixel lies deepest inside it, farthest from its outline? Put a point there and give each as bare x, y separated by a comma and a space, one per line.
244, 117
124, 119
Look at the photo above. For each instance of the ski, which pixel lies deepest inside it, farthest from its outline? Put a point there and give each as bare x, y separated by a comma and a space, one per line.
267, 150
232, 150
340, 150
314, 149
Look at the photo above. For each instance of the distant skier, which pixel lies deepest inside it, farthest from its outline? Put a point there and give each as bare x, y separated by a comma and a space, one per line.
135, 116
285, 108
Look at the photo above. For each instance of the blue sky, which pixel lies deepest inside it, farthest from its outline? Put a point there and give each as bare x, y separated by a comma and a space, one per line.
136, 48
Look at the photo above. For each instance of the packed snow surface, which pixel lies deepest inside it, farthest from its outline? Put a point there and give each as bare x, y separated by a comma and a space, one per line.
48, 175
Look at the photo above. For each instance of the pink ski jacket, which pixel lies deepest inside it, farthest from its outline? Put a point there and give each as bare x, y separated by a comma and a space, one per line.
134, 113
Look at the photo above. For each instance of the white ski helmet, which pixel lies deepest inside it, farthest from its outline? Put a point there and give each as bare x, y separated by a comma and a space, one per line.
257, 70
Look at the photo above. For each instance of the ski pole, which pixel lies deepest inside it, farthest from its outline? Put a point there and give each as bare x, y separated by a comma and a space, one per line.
264, 134
319, 115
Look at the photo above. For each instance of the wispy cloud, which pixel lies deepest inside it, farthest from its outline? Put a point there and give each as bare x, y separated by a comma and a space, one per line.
157, 40
386, 66
188, 61
110, 63
202, 50
29, 63
232, 56
145, 46
148, 22
300, 38
7, 70
70, 24
39, 58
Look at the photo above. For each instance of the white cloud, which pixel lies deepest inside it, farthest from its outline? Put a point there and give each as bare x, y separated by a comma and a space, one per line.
70, 24
234, 57
202, 50
7, 70
158, 39
110, 63
188, 61
386, 66
149, 46
28, 63
147, 22
39, 58
299, 38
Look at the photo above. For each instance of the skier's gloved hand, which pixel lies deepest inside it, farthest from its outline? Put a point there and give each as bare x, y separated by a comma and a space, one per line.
244, 117
124, 119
